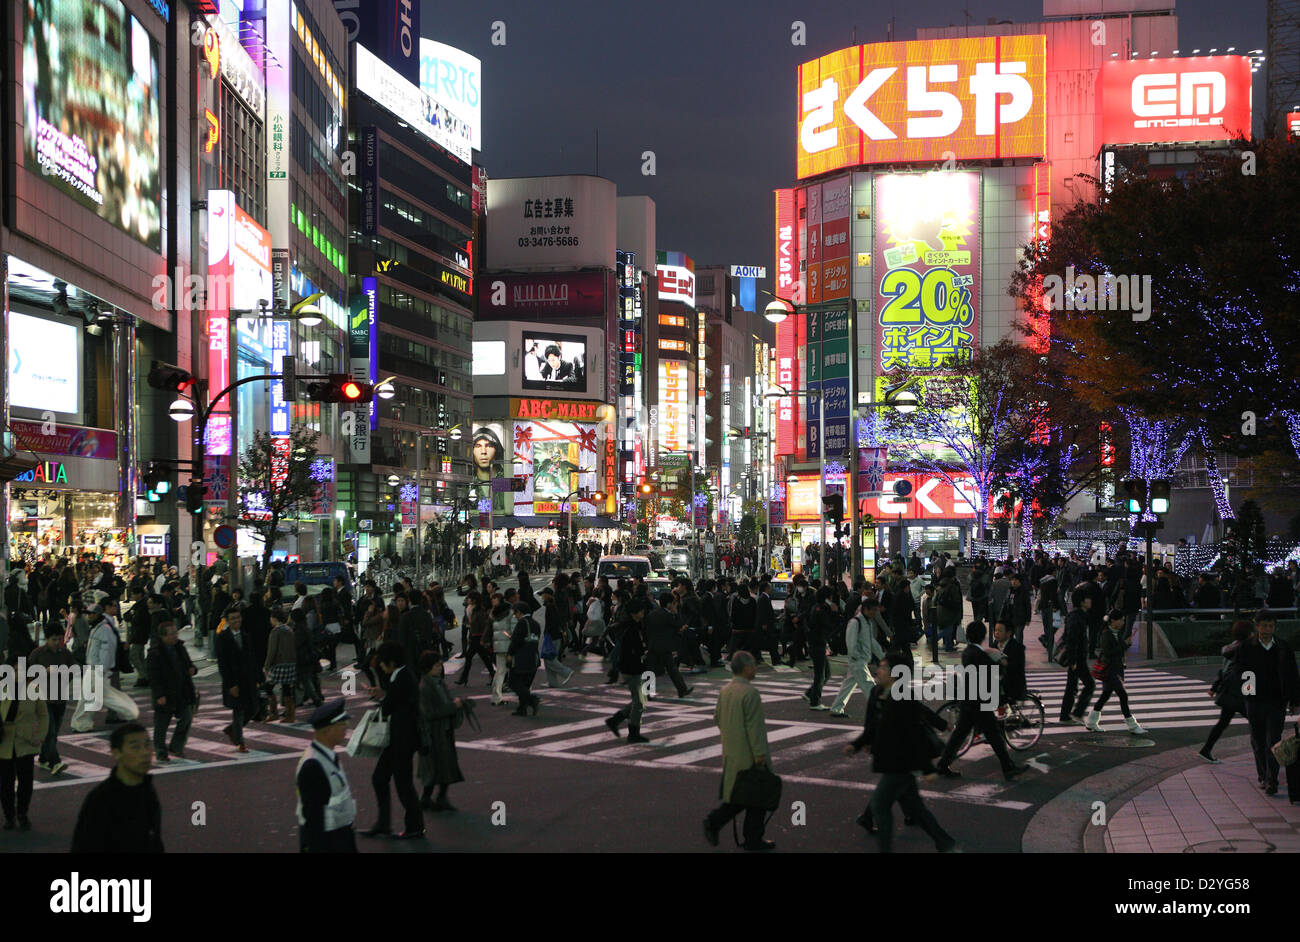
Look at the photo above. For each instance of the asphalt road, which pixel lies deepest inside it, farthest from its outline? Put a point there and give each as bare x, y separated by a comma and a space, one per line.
560, 782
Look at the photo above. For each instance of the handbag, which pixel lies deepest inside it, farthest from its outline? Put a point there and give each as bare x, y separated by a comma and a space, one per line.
334, 628
548, 650
371, 736
1062, 649
757, 787
1099, 670
1287, 751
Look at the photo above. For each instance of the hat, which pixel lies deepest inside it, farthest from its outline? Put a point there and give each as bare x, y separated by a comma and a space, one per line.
327, 714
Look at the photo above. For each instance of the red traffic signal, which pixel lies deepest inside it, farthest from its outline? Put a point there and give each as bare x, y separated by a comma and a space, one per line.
165, 376
340, 387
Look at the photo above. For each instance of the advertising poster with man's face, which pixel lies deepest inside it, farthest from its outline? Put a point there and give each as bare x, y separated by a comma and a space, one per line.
489, 459
556, 458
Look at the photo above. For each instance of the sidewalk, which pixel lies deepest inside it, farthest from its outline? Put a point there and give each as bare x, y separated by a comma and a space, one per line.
1205, 809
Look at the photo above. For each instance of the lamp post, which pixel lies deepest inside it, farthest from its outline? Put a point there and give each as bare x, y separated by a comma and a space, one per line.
594, 496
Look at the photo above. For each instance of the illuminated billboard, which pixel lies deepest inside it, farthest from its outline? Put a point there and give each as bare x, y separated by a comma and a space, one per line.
428, 115
974, 98
556, 362
674, 405
556, 450
455, 78
91, 113
827, 238
676, 272
1202, 98
927, 246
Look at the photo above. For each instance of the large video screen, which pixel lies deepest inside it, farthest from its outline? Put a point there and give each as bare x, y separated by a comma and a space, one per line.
555, 362
90, 98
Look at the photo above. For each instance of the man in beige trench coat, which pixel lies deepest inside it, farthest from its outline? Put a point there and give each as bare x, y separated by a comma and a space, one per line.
739, 716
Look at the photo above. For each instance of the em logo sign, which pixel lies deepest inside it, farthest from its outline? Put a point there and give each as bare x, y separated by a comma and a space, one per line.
981, 97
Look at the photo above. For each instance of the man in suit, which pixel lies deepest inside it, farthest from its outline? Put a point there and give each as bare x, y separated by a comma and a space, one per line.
998, 593
1075, 658
1091, 587
1275, 693
739, 717
663, 634
171, 677
1014, 684
241, 673
972, 713
398, 698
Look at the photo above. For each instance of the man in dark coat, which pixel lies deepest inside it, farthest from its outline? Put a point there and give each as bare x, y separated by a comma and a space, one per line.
663, 633
399, 704
437, 765
122, 815
171, 677
1273, 695
240, 675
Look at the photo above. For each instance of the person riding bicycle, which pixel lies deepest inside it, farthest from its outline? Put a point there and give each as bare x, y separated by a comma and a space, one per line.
1014, 684
973, 716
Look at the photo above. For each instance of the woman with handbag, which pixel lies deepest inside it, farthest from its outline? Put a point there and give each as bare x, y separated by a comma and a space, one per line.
327, 607
1226, 690
1109, 669
437, 764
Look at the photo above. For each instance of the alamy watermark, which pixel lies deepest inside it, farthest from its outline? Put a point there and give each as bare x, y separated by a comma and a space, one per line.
67, 682
965, 683
1108, 292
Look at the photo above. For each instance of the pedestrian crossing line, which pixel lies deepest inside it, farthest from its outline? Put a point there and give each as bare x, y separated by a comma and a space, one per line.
715, 751
545, 733
565, 745
678, 739
185, 765
76, 770
1058, 729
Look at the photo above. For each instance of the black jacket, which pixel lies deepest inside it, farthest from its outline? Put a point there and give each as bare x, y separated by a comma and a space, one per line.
401, 707
239, 667
119, 819
896, 732
662, 631
170, 678
632, 647
415, 633
766, 614
1276, 675
1076, 637
1013, 671
744, 612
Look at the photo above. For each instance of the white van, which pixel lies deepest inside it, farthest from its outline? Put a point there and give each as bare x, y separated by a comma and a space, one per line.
623, 567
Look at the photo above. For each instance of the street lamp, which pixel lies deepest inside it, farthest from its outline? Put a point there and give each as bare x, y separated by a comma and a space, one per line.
181, 410
778, 310
594, 497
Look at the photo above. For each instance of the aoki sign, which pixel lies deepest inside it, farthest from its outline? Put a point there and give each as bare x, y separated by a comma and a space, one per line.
972, 98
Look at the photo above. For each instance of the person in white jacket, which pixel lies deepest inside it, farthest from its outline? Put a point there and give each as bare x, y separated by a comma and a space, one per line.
101, 653
863, 647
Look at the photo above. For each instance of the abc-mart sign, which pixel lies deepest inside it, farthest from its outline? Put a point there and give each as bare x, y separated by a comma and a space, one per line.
973, 98
1156, 101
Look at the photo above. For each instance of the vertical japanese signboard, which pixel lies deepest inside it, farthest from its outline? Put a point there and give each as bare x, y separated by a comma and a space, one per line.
837, 198
361, 321
221, 275
927, 245
813, 241
787, 246
828, 373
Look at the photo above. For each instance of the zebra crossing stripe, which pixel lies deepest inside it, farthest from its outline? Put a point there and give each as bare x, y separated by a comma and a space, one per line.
715, 751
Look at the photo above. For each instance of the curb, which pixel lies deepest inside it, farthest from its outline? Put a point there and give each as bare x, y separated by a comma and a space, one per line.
1064, 824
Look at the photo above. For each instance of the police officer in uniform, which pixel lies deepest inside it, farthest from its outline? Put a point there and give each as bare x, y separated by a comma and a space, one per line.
326, 808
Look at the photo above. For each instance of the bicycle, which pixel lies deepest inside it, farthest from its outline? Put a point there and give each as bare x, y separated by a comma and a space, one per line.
1020, 721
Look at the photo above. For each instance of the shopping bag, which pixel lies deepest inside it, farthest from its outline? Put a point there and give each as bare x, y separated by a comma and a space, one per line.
371, 736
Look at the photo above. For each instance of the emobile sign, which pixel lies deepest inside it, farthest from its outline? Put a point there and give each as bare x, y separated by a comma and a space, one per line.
981, 97
1203, 98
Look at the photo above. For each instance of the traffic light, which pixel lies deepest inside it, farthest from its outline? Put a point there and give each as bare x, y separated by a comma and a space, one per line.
157, 481
1159, 497
340, 387
165, 376
192, 494
834, 507
1135, 495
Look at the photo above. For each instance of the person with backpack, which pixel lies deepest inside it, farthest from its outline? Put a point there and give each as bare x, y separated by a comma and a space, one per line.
864, 652
523, 657
1226, 689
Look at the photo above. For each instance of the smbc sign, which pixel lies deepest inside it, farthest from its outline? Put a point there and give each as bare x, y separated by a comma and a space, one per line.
970, 98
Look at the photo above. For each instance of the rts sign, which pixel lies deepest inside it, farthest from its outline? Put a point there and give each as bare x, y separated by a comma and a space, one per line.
977, 98
1204, 98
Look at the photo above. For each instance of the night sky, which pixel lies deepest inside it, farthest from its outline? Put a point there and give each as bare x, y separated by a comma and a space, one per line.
708, 86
